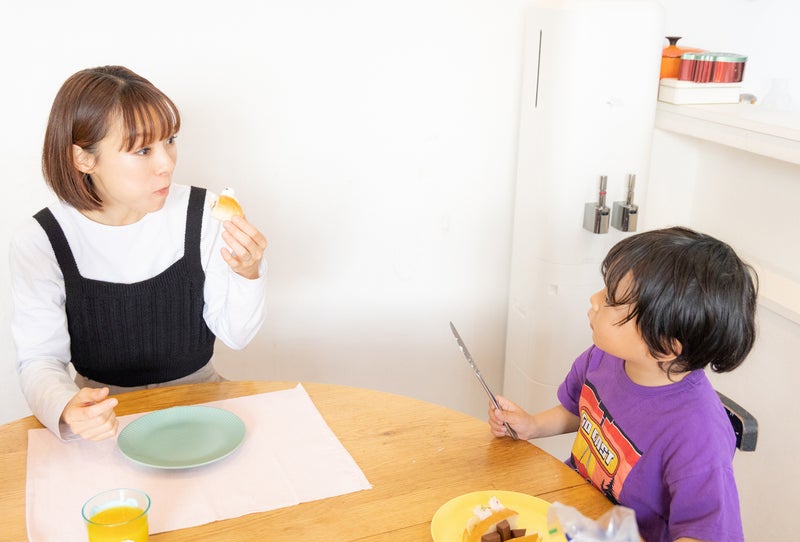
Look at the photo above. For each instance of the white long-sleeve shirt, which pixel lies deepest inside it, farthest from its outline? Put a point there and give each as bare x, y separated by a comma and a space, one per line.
234, 306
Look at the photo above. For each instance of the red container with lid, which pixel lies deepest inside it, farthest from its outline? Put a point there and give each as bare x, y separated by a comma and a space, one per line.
728, 68
703, 68
711, 67
687, 66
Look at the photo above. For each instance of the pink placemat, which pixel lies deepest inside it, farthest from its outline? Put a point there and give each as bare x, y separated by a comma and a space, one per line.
289, 455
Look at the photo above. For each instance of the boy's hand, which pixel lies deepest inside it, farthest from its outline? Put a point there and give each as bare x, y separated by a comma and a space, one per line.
509, 413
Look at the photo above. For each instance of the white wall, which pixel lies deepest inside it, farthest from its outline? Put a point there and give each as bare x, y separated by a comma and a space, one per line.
373, 142
375, 145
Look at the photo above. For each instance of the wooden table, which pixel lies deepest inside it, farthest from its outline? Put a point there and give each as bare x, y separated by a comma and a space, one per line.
416, 455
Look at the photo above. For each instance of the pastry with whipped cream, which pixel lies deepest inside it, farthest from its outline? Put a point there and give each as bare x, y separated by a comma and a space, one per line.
226, 206
494, 522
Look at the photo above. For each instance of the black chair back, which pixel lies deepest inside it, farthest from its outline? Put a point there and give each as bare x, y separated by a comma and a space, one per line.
744, 424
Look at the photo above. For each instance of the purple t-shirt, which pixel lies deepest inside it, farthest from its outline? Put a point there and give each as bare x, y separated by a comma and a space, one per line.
663, 451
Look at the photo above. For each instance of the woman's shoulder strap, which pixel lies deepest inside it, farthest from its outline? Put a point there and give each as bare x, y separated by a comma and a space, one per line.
64, 256
194, 223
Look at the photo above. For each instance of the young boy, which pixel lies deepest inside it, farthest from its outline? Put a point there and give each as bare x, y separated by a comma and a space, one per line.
651, 432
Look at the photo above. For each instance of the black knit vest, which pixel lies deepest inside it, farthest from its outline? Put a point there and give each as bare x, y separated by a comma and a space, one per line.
141, 333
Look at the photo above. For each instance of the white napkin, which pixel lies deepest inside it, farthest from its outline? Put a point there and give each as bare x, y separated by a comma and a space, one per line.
289, 456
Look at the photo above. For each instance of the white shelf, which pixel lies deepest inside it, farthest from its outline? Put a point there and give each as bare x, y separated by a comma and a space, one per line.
777, 292
747, 127
763, 132
750, 128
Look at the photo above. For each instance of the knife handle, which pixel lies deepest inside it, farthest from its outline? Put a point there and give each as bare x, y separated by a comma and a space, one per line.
511, 431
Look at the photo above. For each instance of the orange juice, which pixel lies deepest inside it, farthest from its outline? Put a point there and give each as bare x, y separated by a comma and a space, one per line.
118, 524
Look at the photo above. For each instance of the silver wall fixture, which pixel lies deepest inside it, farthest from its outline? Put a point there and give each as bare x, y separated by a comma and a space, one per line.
626, 213
596, 214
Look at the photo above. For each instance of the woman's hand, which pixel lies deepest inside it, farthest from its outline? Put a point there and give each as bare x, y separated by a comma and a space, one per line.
246, 246
90, 414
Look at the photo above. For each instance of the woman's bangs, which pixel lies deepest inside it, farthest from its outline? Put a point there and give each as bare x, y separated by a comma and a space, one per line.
147, 119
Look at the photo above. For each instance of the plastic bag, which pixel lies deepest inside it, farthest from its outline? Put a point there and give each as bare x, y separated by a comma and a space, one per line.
616, 525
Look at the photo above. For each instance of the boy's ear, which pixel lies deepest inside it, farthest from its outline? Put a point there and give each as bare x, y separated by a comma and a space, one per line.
83, 159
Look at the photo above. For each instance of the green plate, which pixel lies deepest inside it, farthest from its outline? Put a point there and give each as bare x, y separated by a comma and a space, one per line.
182, 437
450, 520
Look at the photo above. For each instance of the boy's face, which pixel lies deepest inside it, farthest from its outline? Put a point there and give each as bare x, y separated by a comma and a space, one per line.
622, 340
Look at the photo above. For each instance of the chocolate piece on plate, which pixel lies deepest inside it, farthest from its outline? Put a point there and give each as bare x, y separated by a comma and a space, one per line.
491, 537
504, 529
518, 533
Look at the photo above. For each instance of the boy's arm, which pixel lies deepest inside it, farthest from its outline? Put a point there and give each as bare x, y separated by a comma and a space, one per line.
555, 421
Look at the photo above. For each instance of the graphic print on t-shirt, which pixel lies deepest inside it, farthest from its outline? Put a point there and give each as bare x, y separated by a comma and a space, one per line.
602, 452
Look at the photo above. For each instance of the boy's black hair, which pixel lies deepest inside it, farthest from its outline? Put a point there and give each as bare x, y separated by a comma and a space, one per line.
687, 287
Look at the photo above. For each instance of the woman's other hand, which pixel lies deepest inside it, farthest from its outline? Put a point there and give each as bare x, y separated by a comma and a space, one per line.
246, 246
90, 414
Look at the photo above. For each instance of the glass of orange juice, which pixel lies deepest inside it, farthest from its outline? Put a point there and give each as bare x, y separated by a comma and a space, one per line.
117, 515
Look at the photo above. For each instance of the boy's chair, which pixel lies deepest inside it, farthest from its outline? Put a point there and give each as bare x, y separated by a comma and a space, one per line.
744, 424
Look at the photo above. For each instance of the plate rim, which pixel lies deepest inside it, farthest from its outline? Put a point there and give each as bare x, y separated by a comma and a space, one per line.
499, 493
188, 465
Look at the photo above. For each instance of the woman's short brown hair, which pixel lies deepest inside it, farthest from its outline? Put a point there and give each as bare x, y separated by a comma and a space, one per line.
84, 108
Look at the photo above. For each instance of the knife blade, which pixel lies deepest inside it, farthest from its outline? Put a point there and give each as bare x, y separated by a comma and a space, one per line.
474, 366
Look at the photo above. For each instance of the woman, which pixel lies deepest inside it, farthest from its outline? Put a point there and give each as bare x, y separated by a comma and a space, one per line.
126, 276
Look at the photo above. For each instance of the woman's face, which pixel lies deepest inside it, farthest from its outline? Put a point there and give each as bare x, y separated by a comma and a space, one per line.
129, 183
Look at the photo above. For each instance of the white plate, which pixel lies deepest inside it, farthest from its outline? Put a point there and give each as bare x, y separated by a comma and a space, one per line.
182, 437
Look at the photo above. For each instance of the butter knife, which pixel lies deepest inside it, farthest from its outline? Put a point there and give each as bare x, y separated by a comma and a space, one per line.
465, 351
